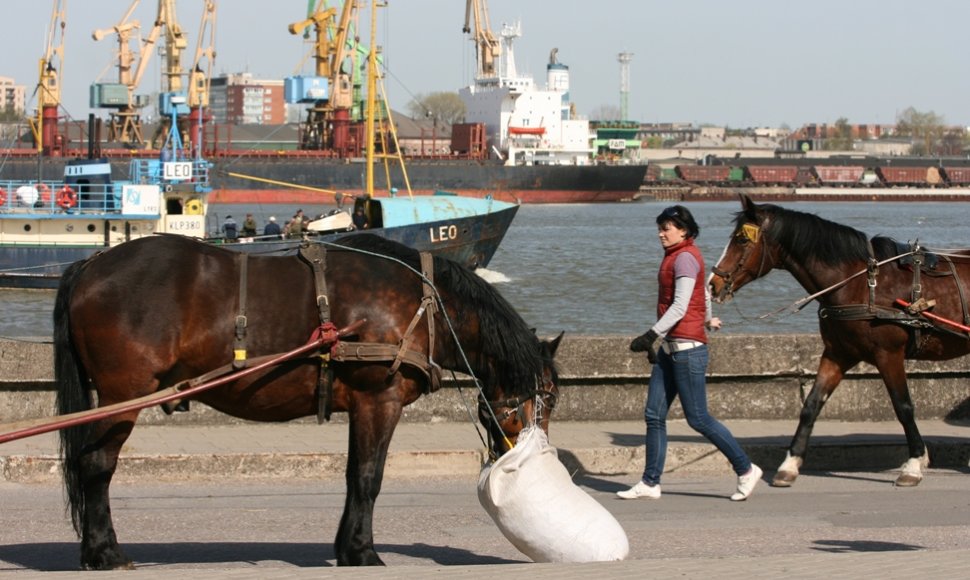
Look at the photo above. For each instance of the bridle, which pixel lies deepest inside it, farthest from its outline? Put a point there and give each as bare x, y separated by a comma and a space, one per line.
545, 396
750, 234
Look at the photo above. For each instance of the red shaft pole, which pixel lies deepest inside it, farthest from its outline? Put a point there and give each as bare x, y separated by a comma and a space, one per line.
937, 318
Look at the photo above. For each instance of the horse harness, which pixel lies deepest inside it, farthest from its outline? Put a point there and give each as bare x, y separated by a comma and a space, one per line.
315, 255
921, 263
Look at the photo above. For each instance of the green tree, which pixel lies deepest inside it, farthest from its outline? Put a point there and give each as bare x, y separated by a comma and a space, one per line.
443, 106
925, 129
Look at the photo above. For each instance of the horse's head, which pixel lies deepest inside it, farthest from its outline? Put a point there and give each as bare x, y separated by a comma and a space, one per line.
747, 256
512, 414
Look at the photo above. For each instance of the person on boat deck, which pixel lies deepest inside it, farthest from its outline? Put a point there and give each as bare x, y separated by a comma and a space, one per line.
272, 228
360, 219
294, 227
680, 362
249, 226
230, 229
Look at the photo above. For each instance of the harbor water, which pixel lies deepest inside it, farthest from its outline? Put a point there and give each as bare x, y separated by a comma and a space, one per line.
591, 269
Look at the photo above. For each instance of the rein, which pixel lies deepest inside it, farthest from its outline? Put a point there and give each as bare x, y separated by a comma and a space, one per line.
801, 303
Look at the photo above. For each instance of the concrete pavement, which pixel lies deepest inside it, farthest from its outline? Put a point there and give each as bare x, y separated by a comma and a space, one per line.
935, 564
305, 449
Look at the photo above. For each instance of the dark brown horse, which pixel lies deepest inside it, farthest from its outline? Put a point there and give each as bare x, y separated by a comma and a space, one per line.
152, 312
860, 286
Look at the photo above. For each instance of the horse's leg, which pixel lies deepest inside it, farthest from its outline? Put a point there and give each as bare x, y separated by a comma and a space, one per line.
830, 373
95, 467
892, 368
371, 425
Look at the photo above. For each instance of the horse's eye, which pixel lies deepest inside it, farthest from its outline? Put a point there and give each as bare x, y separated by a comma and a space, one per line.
741, 238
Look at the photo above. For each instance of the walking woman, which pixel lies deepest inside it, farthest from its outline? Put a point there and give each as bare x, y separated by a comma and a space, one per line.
680, 362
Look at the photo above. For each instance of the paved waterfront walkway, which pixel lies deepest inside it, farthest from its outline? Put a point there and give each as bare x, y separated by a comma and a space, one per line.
445, 448
936, 565
310, 450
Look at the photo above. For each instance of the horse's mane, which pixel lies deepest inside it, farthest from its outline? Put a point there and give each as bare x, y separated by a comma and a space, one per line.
806, 236
510, 353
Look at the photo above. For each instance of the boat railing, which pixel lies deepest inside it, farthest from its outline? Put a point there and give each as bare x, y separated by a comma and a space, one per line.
42, 199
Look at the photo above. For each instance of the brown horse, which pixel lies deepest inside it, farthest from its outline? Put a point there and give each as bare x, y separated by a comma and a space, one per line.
156, 311
860, 285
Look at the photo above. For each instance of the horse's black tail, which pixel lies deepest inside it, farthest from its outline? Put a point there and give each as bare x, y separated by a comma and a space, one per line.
72, 394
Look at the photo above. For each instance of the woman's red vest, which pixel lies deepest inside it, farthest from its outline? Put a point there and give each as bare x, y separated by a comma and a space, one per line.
691, 326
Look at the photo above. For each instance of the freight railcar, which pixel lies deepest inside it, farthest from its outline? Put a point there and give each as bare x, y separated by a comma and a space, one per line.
823, 173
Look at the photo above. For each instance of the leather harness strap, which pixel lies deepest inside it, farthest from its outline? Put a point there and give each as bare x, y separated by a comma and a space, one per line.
370, 352
316, 256
871, 310
239, 345
428, 306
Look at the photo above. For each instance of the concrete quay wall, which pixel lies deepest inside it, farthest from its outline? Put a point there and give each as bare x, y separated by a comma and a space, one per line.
755, 377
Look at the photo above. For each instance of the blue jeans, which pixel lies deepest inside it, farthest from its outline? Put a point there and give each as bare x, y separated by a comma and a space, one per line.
683, 373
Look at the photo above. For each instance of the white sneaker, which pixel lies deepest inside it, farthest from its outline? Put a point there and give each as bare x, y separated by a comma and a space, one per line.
639, 490
747, 483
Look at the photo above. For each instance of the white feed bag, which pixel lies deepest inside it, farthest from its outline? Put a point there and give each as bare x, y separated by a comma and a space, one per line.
546, 516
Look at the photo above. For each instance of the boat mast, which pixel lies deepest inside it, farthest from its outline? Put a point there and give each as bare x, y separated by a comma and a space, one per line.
371, 96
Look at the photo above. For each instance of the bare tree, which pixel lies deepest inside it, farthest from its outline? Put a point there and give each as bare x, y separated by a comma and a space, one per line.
925, 129
443, 106
606, 113
842, 140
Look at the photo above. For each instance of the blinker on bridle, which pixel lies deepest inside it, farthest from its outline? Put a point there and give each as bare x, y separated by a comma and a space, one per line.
746, 233
750, 232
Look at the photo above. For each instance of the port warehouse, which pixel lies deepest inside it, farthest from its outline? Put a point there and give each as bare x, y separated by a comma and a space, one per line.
829, 172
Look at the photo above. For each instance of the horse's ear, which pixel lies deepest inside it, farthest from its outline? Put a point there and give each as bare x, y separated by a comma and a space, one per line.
747, 205
553, 344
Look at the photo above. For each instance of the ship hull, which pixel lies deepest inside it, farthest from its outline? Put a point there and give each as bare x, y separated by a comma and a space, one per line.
517, 184
468, 240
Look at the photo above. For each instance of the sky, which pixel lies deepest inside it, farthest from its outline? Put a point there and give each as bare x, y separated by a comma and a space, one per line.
741, 63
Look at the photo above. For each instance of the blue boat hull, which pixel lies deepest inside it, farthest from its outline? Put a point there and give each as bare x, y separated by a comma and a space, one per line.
470, 240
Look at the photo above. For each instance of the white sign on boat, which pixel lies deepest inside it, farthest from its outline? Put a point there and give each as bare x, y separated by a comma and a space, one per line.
141, 199
177, 170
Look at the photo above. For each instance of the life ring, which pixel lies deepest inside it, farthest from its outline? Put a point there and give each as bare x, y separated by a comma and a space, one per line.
3, 196
193, 207
66, 198
45, 192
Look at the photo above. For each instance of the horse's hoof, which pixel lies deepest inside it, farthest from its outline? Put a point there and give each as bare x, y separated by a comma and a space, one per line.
908, 480
122, 566
784, 479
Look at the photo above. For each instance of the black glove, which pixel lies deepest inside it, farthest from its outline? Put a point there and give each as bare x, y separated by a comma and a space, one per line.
646, 343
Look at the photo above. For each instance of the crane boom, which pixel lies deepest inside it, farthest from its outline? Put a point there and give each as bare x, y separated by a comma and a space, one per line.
204, 50
331, 91
123, 30
50, 89
44, 127
487, 47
